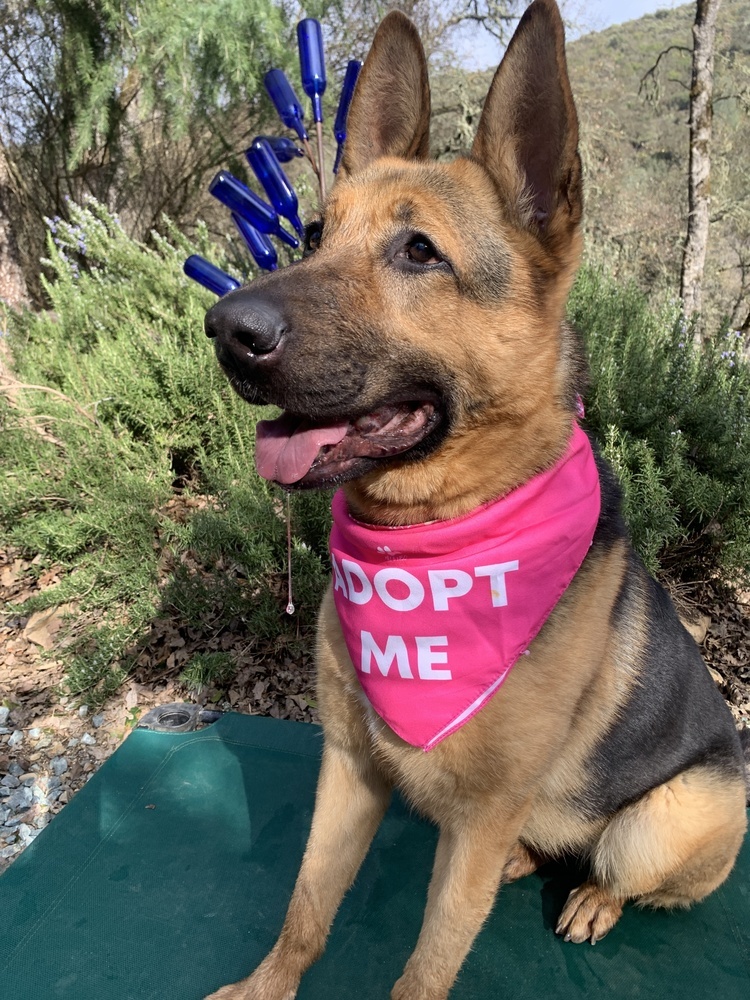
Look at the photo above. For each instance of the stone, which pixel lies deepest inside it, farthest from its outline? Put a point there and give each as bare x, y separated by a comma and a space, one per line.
59, 766
15, 738
27, 833
4, 714
10, 781
20, 799
88, 740
83, 711
97, 720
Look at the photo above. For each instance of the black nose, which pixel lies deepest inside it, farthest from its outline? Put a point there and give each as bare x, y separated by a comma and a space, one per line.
250, 323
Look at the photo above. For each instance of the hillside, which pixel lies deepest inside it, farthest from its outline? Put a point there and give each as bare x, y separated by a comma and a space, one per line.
635, 148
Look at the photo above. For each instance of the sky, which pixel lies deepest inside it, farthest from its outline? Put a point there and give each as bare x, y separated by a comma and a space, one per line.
481, 51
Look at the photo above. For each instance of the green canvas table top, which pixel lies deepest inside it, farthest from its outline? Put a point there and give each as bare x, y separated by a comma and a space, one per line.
170, 872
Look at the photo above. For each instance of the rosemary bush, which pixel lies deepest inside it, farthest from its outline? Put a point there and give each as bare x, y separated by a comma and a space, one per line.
674, 421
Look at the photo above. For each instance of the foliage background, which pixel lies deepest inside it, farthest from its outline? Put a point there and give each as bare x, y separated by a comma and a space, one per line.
127, 462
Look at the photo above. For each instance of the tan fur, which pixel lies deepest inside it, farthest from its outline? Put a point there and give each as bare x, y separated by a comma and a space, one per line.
506, 788
676, 844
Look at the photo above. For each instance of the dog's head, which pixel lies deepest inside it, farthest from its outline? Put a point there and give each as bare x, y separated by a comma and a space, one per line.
418, 349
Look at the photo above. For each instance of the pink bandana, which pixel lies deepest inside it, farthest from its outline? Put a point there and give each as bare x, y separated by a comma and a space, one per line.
435, 615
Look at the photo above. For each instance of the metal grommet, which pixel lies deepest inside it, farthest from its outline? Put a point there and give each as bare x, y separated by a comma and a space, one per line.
177, 717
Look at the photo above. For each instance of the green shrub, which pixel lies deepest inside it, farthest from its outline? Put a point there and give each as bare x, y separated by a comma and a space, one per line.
132, 466
674, 422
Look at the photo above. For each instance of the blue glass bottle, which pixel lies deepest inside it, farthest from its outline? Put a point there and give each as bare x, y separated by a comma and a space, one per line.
209, 275
285, 101
283, 149
259, 245
240, 199
312, 63
275, 182
347, 92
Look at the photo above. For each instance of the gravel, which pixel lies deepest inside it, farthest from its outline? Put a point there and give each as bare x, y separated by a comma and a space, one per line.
40, 774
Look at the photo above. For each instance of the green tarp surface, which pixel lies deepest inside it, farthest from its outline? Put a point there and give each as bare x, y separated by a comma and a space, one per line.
169, 875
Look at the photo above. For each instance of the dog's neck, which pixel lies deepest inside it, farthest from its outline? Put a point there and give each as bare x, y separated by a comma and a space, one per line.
445, 485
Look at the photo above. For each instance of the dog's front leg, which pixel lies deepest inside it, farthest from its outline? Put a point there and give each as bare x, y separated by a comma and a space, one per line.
469, 861
350, 803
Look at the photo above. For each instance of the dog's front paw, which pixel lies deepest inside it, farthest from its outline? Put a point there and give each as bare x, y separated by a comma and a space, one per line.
408, 989
236, 991
244, 990
266, 983
589, 913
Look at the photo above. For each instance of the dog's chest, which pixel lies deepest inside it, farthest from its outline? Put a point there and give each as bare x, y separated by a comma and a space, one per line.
422, 777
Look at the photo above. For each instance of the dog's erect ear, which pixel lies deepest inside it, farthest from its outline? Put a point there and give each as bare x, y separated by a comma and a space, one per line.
390, 111
528, 133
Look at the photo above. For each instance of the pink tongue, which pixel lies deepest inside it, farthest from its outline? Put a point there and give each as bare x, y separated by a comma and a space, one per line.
286, 448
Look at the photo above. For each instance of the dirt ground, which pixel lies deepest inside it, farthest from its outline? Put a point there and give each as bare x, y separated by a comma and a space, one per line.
54, 743
52, 739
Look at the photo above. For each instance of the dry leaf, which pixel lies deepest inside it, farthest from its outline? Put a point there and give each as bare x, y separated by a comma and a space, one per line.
42, 627
698, 628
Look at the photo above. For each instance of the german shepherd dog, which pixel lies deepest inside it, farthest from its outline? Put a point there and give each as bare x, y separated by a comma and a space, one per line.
420, 354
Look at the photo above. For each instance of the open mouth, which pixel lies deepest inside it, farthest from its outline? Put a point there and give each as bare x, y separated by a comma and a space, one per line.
294, 450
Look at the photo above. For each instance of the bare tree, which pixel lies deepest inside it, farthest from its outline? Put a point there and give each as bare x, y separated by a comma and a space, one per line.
699, 169
699, 179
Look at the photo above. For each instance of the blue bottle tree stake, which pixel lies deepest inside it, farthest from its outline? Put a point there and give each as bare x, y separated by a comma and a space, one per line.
313, 70
275, 182
254, 219
347, 92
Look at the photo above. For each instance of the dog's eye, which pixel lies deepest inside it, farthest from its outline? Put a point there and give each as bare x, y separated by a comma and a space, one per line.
313, 234
421, 251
